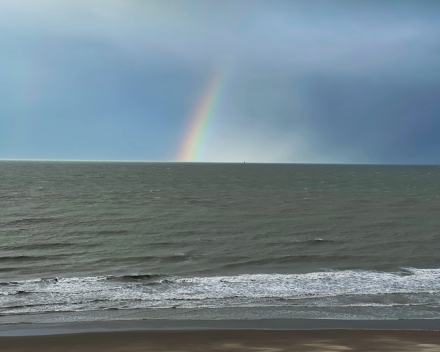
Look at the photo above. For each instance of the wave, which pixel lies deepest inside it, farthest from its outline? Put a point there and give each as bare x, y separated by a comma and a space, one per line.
43, 246
111, 232
17, 292
32, 220
318, 289
170, 258
238, 262
85, 279
138, 277
314, 241
22, 258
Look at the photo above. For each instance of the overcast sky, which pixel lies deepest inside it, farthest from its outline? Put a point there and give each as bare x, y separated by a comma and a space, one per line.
307, 81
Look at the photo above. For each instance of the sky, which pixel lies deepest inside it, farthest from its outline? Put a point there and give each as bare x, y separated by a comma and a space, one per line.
301, 81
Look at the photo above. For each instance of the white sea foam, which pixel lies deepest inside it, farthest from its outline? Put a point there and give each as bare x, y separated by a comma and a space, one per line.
323, 289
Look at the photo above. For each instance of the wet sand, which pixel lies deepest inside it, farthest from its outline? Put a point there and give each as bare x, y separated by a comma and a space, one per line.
232, 340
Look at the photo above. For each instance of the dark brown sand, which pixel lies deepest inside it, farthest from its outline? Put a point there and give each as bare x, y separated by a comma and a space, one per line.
220, 340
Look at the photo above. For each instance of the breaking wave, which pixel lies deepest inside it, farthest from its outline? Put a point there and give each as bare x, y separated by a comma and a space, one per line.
259, 290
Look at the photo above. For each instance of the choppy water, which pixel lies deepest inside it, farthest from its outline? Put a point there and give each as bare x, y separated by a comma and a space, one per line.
91, 237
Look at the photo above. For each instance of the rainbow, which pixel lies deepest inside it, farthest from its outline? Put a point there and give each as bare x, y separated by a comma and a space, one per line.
202, 117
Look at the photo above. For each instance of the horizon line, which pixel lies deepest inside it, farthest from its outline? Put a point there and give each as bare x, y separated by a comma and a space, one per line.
208, 162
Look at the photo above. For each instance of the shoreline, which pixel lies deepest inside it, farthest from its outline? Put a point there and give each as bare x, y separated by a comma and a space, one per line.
156, 325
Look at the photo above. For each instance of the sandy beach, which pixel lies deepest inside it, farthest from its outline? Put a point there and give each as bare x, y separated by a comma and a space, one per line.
223, 340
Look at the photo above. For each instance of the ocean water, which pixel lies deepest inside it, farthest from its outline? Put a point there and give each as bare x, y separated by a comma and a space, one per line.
91, 241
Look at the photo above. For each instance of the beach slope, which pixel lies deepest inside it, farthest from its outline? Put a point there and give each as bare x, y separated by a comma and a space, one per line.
223, 340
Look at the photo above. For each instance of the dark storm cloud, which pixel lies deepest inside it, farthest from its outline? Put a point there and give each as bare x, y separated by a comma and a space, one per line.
309, 81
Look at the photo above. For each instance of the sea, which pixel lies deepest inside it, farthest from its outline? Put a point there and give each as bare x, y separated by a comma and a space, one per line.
88, 241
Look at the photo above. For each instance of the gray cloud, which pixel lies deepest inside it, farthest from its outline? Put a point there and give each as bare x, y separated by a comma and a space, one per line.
315, 81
